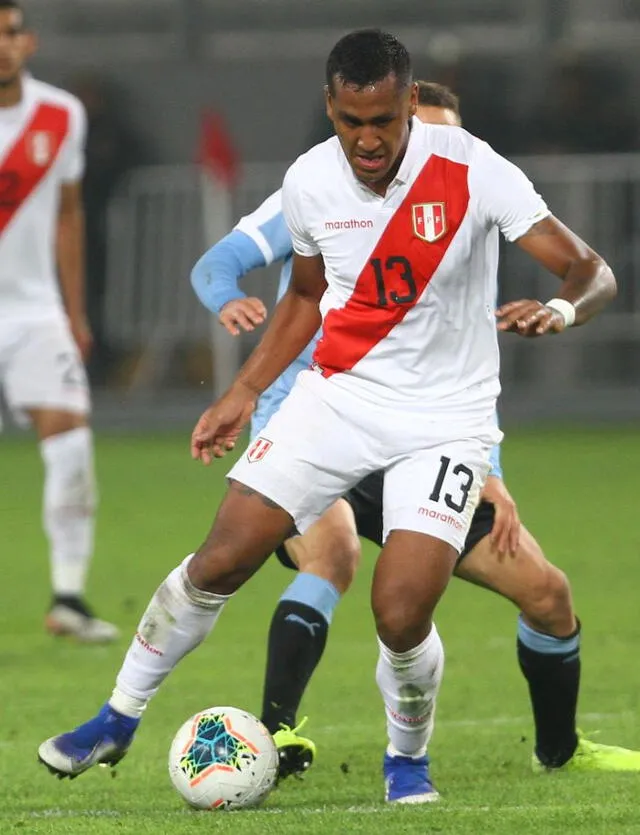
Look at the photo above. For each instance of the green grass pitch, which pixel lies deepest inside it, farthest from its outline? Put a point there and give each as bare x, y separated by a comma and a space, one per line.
577, 491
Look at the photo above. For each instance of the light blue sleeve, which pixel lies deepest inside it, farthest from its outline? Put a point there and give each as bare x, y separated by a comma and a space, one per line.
215, 277
494, 458
258, 240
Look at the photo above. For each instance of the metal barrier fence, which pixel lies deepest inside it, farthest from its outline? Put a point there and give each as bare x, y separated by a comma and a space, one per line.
157, 230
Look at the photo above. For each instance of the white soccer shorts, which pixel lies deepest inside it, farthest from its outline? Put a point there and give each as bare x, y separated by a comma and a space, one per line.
323, 440
41, 368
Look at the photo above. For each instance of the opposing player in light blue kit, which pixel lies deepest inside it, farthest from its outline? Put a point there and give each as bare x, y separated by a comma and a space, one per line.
327, 555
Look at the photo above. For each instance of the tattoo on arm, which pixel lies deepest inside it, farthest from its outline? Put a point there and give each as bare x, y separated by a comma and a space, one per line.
249, 491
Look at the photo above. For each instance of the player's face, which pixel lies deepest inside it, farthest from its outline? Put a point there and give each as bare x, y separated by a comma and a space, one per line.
432, 115
16, 45
372, 125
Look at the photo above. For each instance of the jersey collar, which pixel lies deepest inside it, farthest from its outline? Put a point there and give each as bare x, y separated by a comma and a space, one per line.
414, 146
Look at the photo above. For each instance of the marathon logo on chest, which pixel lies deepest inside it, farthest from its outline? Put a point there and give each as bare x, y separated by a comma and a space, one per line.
28, 160
429, 221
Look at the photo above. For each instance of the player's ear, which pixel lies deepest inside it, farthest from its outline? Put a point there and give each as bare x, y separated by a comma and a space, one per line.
328, 101
31, 43
413, 99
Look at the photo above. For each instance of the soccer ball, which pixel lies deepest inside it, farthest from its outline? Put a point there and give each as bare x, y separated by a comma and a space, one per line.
223, 758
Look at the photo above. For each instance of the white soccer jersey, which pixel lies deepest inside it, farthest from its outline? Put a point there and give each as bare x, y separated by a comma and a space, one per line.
41, 147
408, 315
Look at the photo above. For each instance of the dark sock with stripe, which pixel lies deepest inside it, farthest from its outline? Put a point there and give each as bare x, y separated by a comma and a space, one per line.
551, 667
297, 639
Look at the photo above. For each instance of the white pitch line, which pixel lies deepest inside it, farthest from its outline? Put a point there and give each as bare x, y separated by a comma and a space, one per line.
369, 809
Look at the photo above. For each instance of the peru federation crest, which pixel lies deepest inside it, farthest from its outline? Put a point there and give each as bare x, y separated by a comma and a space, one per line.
429, 221
40, 147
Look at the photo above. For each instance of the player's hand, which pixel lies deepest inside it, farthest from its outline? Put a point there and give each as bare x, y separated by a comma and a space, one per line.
528, 317
245, 314
218, 429
505, 534
82, 336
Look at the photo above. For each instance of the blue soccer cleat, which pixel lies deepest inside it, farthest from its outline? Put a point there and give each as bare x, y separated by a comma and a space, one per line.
407, 780
103, 740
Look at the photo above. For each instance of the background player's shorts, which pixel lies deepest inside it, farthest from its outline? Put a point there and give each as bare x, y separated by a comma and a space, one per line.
270, 400
365, 500
40, 367
322, 442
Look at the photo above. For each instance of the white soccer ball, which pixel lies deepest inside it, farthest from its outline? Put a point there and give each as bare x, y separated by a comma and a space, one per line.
223, 758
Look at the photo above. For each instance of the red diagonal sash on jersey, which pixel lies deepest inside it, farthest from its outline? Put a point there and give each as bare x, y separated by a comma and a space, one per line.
32, 155
349, 333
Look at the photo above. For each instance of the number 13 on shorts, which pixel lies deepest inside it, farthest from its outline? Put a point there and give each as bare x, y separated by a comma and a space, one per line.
436, 491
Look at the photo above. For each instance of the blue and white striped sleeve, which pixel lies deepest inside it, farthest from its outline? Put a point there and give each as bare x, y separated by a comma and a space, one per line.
257, 240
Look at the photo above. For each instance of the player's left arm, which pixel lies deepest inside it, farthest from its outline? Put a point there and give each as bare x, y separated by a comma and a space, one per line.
588, 283
504, 197
70, 258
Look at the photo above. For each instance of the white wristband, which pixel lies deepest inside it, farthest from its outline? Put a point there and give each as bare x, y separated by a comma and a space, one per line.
565, 309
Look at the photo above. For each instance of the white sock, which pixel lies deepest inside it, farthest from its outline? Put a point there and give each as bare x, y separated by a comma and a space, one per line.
69, 507
409, 683
178, 618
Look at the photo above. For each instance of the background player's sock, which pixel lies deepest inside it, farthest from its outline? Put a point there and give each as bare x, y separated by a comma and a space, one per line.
69, 508
297, 639
178, 618
409, 683
552, 669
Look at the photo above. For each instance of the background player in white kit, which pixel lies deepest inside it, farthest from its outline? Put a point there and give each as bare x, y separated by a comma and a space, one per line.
395, 231
43, 328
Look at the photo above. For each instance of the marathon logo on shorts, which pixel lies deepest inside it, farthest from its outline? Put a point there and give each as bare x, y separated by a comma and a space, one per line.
447, 518
429, 221
258, 450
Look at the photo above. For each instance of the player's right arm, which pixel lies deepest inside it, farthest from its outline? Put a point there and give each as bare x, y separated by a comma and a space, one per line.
258, 240
295, 321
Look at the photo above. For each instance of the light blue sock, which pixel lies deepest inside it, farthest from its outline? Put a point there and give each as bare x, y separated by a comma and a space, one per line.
547, 644
315, 592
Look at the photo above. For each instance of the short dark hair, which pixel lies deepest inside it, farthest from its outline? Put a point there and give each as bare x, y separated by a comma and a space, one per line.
432, 94
13, 5
367, 56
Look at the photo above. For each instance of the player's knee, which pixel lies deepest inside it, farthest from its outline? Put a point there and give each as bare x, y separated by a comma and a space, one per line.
402, 620
548, 600
336, 563
220, 569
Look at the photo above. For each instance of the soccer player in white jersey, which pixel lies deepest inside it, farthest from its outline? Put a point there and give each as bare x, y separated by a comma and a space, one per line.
395, 232
43, 327
327, 556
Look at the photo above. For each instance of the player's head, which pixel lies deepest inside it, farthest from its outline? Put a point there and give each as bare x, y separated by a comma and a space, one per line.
16, 42
370, 99
437, 104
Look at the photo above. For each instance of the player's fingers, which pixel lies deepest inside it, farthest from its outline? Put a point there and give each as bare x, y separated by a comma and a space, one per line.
514, 533
497, 529
511, 317
229, 325
228, 321
243, 320
502, 544
509, 307
552, 323
256, 310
